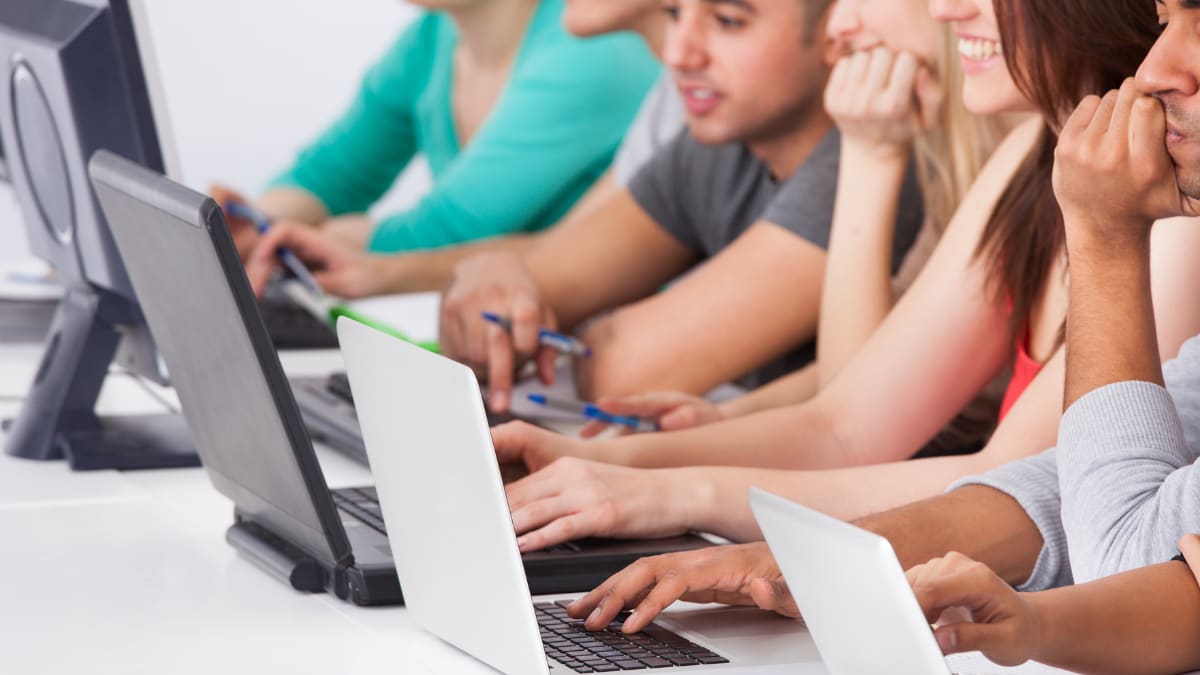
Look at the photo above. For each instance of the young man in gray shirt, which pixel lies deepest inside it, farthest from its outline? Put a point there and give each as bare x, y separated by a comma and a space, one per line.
720, 194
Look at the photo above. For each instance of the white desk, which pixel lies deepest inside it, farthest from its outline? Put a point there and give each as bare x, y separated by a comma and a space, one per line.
129, 573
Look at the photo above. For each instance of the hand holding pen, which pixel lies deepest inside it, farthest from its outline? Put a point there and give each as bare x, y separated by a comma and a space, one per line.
593, 413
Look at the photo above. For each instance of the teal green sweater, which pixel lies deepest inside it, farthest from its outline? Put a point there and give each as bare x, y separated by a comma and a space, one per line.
550, 135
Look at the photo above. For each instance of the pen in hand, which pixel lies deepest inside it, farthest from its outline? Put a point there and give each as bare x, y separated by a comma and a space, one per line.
546, 337
592, 411
289, 259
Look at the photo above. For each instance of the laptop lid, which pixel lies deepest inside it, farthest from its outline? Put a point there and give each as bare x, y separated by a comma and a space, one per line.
202, 313
439, 486
850, 589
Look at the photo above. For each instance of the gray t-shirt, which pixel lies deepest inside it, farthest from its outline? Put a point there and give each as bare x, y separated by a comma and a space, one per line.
706, 196
658, 121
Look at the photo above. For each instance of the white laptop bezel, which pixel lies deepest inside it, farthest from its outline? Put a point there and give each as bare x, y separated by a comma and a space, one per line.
459, 568
851, 590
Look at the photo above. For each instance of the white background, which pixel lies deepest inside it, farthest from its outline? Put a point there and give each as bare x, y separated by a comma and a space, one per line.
248, 82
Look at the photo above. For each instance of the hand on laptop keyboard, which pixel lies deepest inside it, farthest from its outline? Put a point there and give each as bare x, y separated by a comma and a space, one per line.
734, 575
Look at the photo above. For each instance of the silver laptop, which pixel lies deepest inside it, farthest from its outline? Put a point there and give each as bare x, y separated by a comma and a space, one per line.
452, 536
852, 592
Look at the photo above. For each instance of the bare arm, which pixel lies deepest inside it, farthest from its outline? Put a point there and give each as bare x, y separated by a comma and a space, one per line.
748, 305
1143, 621
796, 387
293, 204
607, 253
857, 294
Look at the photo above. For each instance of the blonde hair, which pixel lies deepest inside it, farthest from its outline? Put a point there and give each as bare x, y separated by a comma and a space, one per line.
949, 157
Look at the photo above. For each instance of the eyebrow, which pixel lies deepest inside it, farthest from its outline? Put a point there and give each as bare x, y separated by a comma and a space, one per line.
744, 4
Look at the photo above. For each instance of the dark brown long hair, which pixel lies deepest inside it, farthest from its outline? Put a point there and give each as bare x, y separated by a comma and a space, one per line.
1058, 52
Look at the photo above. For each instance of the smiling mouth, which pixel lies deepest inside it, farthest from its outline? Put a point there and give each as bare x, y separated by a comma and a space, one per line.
978, 49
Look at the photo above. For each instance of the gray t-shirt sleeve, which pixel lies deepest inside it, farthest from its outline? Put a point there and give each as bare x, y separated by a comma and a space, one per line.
658, 121
1033, 483
1127, 471
804, 204
657, 187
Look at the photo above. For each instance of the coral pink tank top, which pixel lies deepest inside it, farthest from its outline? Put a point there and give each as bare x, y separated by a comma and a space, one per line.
1024, 370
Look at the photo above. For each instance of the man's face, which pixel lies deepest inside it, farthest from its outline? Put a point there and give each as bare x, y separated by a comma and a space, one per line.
1171, 73
748, 70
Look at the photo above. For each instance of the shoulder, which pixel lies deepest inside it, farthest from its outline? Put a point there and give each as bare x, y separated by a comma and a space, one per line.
619, 60
980, 200
414, 51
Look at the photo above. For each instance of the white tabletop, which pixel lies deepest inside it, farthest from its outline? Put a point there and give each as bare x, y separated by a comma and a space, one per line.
129, 573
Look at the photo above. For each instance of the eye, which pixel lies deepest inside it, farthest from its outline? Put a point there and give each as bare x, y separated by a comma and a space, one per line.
672, 12
729, 22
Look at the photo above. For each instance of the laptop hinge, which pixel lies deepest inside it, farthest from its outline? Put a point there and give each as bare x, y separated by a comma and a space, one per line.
279, 558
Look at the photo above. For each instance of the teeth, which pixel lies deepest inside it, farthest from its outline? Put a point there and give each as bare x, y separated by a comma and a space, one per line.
977, 49
703, 94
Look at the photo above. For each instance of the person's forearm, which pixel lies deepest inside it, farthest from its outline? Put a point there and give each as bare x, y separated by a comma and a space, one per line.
607, 255
857, 293
434, 270
293, 204
1142, 621
1110, 322
1010, 542
784, 438
793, 388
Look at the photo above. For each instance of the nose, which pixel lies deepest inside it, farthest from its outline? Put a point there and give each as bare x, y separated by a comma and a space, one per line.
685, 43
1170, 66
843, 19
953, 10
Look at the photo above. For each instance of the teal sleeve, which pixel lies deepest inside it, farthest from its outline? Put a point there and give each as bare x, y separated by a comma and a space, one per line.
354, 162
551, 135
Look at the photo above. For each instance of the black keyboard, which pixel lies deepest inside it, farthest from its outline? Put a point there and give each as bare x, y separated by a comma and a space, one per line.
338, 384
609, 650
362, 503
293, 327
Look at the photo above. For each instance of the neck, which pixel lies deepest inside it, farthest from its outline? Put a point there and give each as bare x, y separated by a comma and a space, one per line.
652, 27
787, 149
490, 33
1011, 120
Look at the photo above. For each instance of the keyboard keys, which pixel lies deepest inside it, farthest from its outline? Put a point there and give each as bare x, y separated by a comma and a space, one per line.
569, 643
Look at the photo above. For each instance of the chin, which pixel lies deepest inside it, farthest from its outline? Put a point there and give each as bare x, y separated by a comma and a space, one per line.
712, 132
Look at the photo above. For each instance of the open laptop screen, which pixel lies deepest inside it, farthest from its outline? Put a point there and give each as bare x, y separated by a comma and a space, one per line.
202, 313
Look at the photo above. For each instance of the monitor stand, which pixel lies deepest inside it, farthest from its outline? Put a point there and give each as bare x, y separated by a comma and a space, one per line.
58, 418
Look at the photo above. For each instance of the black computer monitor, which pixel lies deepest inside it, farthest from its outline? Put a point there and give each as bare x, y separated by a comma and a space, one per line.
72, 83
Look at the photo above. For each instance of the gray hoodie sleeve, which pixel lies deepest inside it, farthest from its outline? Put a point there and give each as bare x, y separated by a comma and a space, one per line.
1033, 483
1126, 456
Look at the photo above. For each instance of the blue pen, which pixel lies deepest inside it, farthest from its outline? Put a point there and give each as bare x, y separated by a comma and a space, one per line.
593, 412
289, 259
546, 337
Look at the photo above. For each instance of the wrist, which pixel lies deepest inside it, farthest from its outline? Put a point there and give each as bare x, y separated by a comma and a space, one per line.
890, 154
1090, 235
692, 496
1040, 610
386, 273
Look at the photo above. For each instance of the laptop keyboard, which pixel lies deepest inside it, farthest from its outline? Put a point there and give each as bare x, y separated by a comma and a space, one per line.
362, 504
609, 650
293, 327
338, 384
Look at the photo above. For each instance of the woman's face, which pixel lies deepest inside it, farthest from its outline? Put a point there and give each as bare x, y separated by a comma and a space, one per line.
585, 18
899, 25
988, 87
